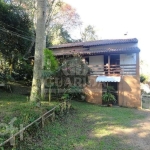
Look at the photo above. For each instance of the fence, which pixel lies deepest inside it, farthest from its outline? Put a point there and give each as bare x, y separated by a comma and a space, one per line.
64, 106
146, 101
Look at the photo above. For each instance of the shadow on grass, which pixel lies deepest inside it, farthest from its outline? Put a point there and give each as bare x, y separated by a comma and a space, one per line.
17, 106
92, 127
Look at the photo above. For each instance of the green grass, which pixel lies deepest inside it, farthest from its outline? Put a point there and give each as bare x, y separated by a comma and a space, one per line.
14, 105
87, 127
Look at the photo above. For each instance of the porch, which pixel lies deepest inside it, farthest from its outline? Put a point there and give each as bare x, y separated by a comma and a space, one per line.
114, 70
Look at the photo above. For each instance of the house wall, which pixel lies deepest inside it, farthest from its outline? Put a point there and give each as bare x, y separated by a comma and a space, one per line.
129, 92
127, 58
93, 91
97, 60
124, 59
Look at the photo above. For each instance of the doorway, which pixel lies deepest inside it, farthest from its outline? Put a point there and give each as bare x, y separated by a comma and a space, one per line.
115, 92
111, 62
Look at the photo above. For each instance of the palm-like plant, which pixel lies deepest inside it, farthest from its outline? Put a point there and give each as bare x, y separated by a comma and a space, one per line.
108, 97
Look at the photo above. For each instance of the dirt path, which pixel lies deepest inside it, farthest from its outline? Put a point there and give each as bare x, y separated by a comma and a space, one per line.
139, 135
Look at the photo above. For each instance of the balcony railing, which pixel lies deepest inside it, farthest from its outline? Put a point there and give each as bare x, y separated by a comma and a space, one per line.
114, 70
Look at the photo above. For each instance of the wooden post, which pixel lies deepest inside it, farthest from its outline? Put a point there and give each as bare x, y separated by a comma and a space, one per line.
53, 117
137, 64
109, 65
65, 105
21, 133
62, 108
69, 105
12, 141
43, 121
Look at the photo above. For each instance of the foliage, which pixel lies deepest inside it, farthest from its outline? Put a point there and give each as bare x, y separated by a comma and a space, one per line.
89, 34
15, 105
5, 77
73, 66
108, 97
75, 92
23, 71
50, 61
15, 33
60, 19
71, 76
58, 35
65, 97
86, 118
143, 78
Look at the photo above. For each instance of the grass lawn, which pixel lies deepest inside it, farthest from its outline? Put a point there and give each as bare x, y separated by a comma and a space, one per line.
13, 105
88, 127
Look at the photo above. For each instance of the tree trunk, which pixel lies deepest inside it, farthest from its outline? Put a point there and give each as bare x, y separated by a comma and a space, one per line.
43, 80
39, 46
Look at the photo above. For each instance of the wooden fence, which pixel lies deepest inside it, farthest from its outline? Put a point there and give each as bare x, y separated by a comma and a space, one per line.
64, 106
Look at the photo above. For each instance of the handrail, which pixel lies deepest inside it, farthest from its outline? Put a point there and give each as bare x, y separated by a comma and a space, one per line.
123, 69
111, 65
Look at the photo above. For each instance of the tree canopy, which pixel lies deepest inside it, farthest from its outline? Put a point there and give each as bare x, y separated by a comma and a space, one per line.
15, 32
89, 34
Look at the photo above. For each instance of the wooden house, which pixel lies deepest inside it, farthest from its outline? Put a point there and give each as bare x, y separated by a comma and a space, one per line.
114, 62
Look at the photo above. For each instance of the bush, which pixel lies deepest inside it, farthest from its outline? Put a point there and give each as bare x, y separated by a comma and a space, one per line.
76, 92
143, 78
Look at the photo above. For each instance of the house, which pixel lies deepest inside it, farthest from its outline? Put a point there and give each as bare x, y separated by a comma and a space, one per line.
114, 62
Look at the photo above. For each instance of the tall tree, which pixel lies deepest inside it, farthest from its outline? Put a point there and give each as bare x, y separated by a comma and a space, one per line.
89, 34
39, 47
57, 12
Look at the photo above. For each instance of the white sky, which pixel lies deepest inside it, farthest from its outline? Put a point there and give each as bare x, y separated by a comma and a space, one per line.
113, 18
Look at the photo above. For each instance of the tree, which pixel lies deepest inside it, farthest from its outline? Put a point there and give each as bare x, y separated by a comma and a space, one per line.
89, 34
39, 47
15, 33
58, 35
50, 66
57, 12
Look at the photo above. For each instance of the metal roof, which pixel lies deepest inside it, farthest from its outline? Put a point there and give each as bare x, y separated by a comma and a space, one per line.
108, 79
95, 43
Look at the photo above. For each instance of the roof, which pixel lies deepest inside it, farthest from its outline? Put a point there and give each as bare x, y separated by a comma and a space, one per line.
99, 51
96, 43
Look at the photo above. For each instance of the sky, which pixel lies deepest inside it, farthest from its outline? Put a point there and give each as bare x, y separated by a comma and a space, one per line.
113, 18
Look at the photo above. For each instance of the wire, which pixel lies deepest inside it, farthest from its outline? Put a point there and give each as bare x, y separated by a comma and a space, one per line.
19, 35
11, 26
14, 33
